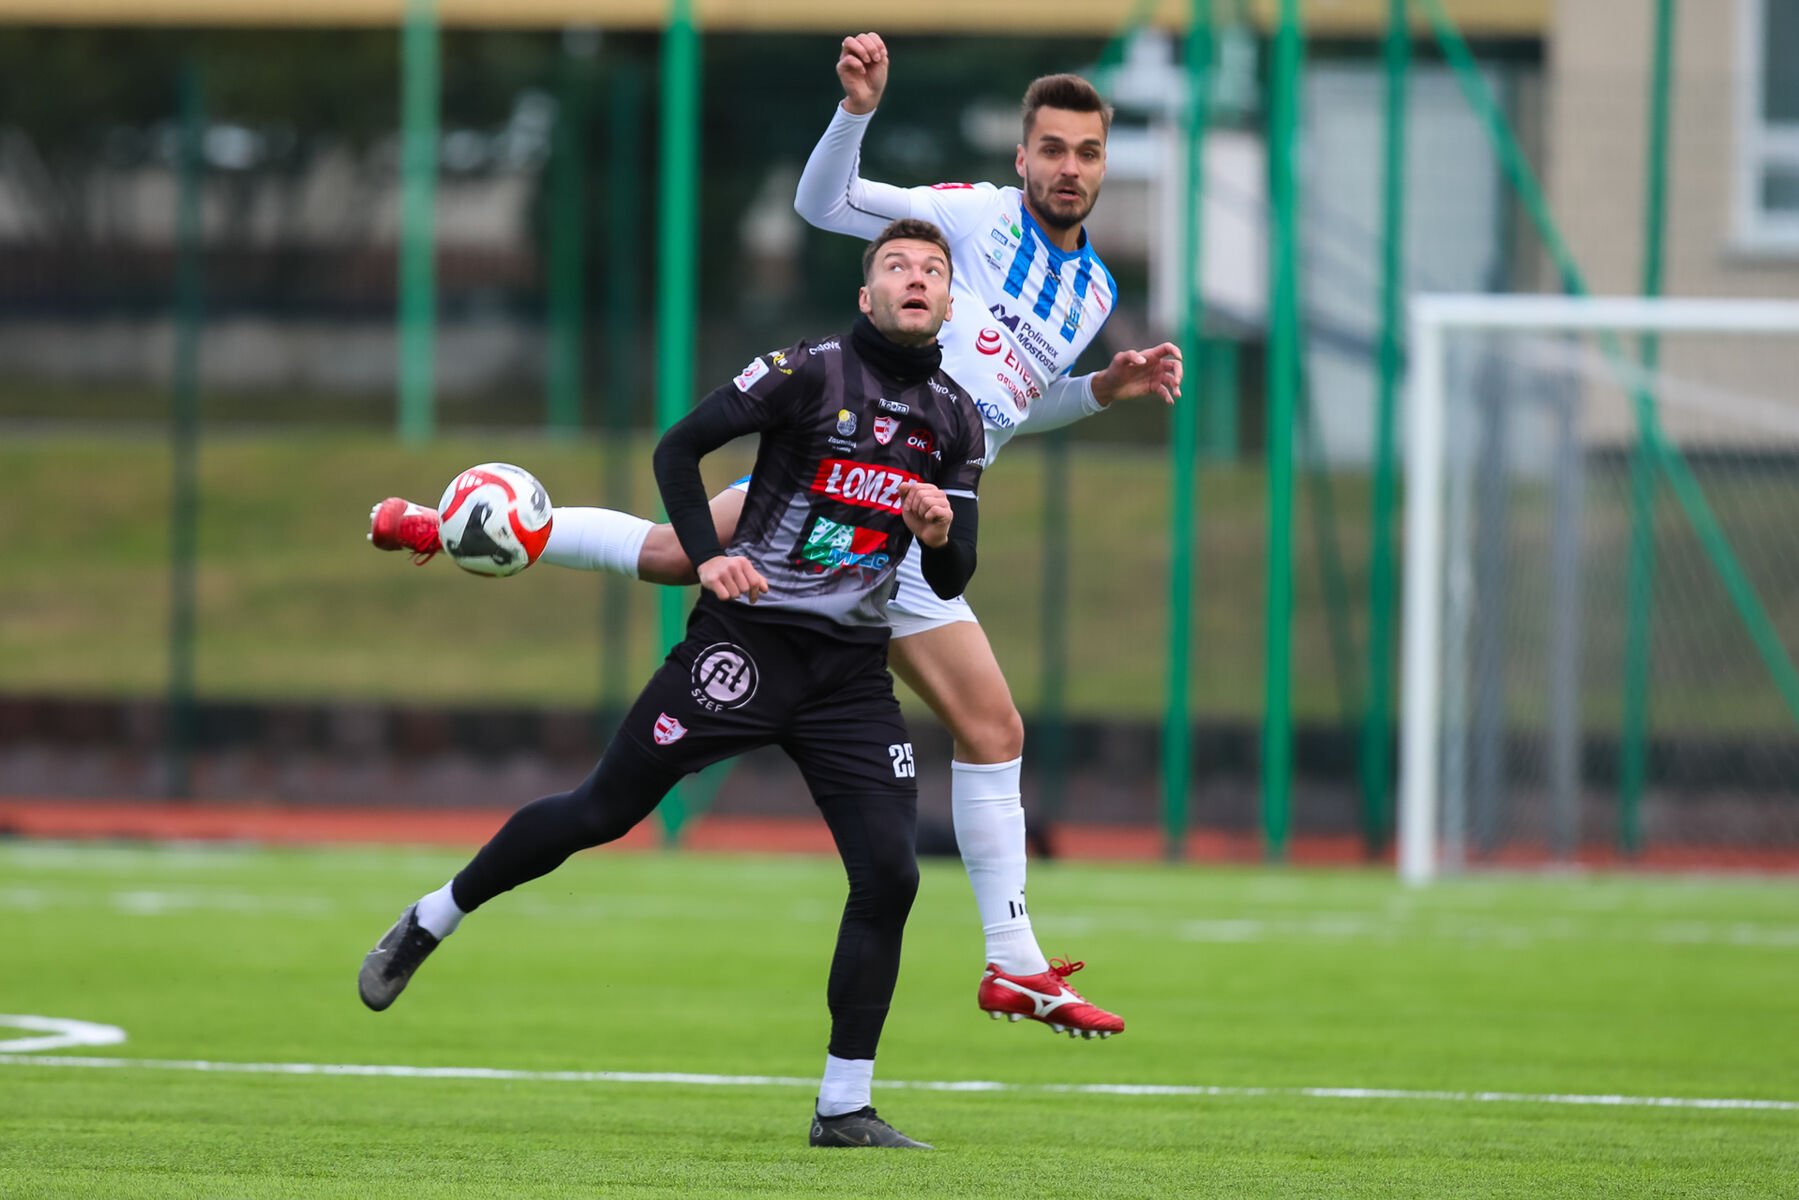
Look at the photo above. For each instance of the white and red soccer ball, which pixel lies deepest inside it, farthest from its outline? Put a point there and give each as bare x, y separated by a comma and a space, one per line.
495, 519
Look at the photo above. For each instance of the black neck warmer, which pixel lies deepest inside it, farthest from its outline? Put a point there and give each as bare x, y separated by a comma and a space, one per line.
903, 364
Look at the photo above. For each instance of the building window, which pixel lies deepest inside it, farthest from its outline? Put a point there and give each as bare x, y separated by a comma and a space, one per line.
1768, 126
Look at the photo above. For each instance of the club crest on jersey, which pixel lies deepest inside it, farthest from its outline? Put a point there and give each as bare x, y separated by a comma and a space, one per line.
668, 731
885, 428
846, 422
724, 676
750, 374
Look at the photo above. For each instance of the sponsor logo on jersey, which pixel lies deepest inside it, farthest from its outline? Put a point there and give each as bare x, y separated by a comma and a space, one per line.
861, 484
993, 416
921, 439
750, 374
885, 428
780, 361
846, 422
823, 346
945, 187
999, 235
894, 406
1022, 393
847, 445
836, 547
989, 342
724, 676
1033, 342
668, 731
939, 388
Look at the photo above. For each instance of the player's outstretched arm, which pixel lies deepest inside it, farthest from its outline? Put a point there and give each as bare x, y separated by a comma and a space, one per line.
663, 561
831, 194
1131, 375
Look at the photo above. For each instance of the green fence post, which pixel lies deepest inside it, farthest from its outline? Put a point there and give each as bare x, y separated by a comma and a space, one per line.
1218, 359
184, 434
567, 242
1177, 726
419, 88
623, 376
676, 283
1632, 744
1283, 384
1377, 727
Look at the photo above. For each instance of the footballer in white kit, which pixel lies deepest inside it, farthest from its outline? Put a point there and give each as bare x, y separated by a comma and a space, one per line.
1029, 295
1023, 310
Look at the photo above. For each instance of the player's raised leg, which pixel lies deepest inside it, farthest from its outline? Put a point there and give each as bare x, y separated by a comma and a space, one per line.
623, 789
952, 668
585, 539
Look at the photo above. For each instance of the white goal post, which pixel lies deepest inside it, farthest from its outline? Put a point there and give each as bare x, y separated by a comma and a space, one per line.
1430, 423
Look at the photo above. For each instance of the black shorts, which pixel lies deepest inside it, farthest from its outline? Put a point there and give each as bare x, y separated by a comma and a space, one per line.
738, 681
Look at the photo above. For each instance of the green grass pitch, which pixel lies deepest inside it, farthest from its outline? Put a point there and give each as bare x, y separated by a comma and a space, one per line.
1259, 983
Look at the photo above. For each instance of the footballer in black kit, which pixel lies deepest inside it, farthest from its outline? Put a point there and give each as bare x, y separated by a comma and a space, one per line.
866, 447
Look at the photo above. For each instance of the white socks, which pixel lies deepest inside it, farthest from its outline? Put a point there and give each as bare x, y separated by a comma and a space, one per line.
848, 1085
438, 915
990, 834
596, 539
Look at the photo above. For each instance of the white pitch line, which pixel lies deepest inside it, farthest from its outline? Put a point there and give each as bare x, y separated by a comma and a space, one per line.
940, 1085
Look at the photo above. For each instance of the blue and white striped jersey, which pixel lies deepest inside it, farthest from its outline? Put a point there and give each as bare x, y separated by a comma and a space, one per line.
1024, 310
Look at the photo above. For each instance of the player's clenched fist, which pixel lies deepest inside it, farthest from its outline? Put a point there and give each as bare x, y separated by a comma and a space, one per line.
728, 577
926, 511
863, 70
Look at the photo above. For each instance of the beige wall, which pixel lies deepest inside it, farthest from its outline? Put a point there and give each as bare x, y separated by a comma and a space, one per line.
1524, 18
1596, 148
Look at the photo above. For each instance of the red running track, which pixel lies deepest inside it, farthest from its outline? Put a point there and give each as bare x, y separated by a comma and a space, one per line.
470, 827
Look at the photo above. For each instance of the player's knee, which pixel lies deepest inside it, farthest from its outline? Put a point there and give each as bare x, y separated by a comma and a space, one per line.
887, 879
993, 736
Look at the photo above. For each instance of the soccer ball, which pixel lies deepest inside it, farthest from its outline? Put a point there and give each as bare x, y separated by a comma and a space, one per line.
496, 519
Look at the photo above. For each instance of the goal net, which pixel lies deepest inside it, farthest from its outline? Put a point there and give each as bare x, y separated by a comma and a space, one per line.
1601, 604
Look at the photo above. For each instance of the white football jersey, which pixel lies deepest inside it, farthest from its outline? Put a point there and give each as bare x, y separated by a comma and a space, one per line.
1024, 310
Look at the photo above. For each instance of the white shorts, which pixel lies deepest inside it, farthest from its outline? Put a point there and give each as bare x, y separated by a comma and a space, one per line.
914, 608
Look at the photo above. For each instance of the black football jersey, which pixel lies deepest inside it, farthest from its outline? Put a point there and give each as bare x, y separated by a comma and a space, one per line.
822, 518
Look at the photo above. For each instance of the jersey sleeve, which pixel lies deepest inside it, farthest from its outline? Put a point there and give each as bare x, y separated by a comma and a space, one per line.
1065, 401
768, 394
772, 391
961, 475
959, 209
832, 195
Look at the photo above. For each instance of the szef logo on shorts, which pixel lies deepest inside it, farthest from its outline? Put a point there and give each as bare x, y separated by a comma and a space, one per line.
724, 676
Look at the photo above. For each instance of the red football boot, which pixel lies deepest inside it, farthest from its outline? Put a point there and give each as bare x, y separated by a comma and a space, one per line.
396, 524
1047, 998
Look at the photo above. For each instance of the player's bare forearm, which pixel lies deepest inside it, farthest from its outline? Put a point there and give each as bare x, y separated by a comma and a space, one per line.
663, 561
1133, 374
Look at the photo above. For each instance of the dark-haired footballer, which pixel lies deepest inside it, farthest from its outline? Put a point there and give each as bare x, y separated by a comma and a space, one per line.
1031, 296
866, 447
